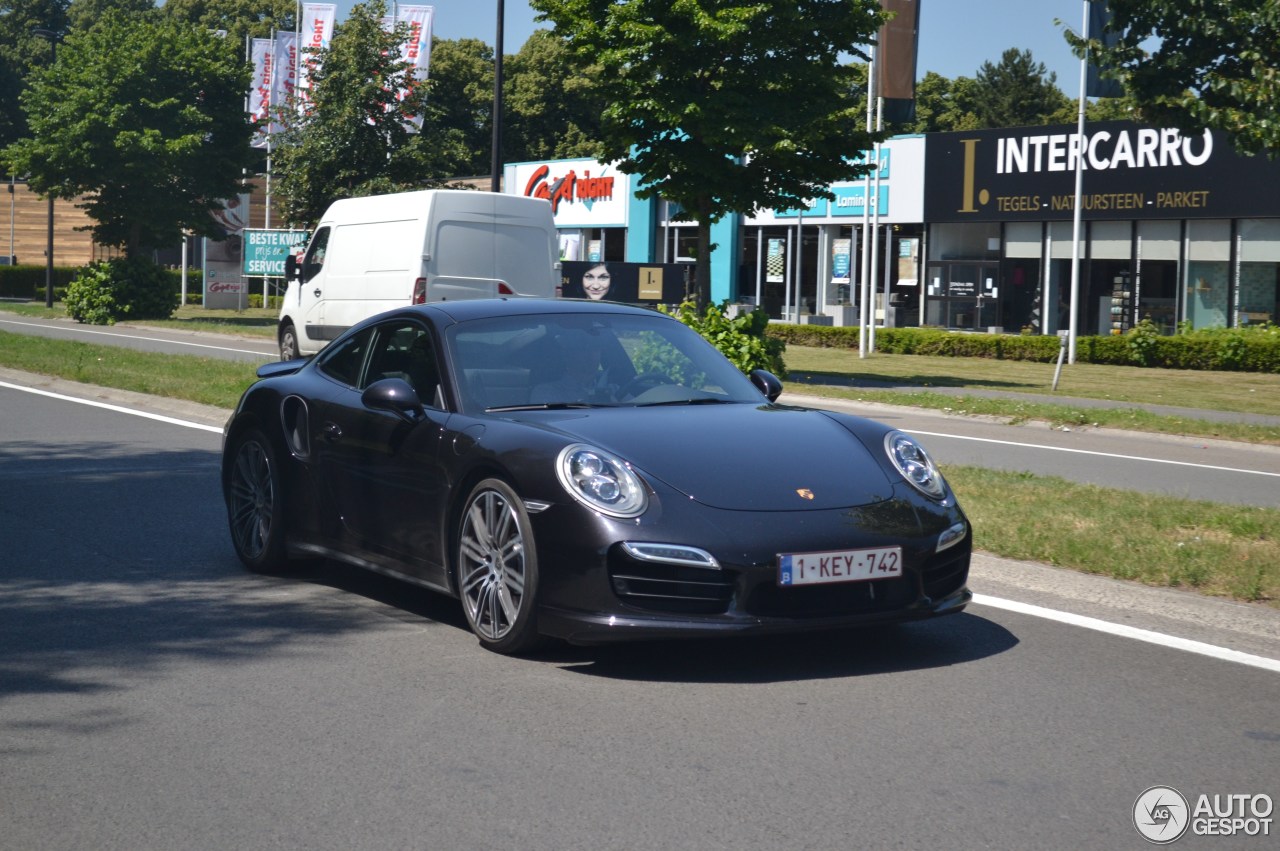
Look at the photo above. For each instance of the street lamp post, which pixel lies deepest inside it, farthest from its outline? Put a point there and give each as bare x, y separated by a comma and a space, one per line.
53, 38
495, 162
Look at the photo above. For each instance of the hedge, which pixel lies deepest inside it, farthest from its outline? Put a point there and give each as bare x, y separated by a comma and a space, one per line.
1233, 349
28, 280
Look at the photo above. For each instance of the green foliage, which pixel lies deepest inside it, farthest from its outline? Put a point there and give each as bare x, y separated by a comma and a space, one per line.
1142, 340
144, 117
21, 50
742, 339
273, 302
109, 291
1194, 64
1019, 92
238, 18
1251, 349
354, 137
552, 109
727, 106
28, 281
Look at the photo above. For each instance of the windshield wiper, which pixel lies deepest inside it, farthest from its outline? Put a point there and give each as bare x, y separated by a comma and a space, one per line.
545, 406
702, 401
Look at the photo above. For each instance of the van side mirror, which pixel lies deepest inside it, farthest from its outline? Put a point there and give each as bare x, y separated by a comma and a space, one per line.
290, 267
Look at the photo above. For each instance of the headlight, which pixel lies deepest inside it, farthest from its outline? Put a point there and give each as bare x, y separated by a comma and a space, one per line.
601, 481
915, 464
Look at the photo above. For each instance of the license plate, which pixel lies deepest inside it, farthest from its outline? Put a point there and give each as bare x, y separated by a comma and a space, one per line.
839, 566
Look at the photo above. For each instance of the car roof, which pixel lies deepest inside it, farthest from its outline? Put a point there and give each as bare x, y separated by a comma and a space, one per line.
487, 308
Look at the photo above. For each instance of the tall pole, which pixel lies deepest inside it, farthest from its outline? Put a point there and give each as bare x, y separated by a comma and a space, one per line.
495, 164
1073, 322
49, 248
864, 296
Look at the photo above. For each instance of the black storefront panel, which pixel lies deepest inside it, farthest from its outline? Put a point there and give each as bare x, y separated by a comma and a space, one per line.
1131, 171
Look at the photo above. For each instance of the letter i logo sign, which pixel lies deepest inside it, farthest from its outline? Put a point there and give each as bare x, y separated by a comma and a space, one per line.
970, 166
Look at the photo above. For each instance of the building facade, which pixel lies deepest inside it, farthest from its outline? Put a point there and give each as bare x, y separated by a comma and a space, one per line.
974, 231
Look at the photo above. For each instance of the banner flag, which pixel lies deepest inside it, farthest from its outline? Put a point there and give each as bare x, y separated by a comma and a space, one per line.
286, 74
262, 54
417, 50
315, 32
895, 58
1095, 86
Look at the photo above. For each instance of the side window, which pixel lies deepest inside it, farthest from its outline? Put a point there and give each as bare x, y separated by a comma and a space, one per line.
404, 350
343, 361
314, 261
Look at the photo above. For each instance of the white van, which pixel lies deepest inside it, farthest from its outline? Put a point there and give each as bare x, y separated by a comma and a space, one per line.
373, 254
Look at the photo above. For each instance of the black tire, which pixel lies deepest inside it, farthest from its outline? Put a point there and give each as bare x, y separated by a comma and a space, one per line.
255, 504
289, 343
497, 566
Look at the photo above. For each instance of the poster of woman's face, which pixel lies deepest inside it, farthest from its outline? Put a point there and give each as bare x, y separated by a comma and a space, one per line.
621, 282
596, 282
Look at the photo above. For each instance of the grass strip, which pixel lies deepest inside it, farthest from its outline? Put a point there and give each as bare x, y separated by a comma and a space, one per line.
1221, 550
1243, 392
1015, 411
209, 381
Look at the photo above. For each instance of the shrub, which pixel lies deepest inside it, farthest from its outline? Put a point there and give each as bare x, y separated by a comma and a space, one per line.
742, 339
108, 291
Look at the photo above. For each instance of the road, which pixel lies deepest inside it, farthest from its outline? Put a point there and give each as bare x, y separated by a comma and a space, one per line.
154, 695
1218, 471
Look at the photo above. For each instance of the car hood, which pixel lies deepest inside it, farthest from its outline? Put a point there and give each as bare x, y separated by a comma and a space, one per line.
737, 456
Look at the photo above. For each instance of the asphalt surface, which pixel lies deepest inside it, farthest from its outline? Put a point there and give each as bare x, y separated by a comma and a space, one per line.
153, 695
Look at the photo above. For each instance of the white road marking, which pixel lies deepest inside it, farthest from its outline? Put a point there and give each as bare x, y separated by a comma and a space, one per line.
135, 337
117, 408
1094, 452
1184, 644
1149, 636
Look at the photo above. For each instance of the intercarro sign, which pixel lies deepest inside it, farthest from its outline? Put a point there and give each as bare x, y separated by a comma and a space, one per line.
265, 250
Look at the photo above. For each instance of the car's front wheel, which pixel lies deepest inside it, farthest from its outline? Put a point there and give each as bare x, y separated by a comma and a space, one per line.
498, 568
255, 506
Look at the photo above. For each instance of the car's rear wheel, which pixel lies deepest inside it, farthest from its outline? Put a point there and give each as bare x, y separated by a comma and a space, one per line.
289, 343
255, 506
498, 568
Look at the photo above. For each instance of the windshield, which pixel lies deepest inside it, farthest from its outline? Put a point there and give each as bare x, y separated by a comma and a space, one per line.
589, 360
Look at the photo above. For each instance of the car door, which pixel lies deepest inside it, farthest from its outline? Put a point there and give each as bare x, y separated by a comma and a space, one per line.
382, 472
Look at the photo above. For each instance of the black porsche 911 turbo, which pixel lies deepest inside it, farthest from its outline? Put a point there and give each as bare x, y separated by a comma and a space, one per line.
587, 471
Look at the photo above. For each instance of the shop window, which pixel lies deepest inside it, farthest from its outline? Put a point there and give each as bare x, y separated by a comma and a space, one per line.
1208, 273
1259, 271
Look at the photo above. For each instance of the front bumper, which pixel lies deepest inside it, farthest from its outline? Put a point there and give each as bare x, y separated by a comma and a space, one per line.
585, 628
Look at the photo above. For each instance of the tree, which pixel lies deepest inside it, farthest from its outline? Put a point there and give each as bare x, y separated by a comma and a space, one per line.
461, 91
1197, 64
553, 109
238, 18
724, 106
21, 50
83, 14
1019, 92
354, 136
145, 118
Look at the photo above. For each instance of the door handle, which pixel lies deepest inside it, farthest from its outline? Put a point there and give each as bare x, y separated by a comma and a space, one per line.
316, 292
331, 432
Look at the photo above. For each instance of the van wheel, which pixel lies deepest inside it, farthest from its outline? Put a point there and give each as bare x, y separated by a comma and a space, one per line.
289, 343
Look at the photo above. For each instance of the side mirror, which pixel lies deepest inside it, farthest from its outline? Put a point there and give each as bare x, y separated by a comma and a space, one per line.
290, 267
767, 383
396, 396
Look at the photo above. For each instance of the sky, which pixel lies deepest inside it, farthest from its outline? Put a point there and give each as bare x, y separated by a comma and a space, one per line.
956, 36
